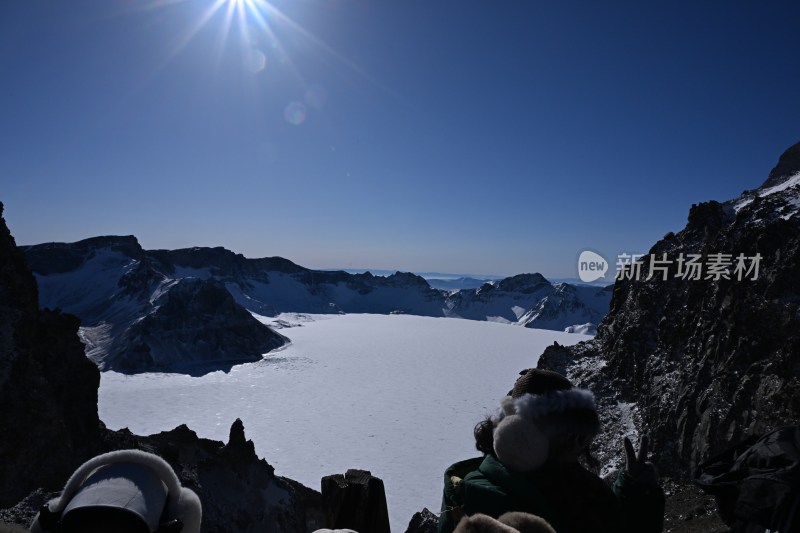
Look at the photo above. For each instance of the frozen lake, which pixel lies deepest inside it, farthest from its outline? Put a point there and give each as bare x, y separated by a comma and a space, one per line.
394, 394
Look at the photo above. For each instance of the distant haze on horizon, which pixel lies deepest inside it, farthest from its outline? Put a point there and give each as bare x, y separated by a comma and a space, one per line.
457, 137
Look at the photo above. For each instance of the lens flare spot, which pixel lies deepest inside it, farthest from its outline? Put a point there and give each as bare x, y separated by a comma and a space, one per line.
256, 60
295, 113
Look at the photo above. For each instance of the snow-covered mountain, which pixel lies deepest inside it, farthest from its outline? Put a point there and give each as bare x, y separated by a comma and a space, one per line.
136, 318
530, 300
143, 309
463, 282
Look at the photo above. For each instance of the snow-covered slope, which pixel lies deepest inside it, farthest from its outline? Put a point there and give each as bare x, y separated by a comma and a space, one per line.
396, 395
135, 318
530, 300
450, 284
116, 288
777, 197
780, 200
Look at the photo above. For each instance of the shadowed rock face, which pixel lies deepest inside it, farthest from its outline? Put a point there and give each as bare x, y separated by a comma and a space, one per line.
56, 257
788, 164
706, 362
197, 321
223, 263
239, 491
524, 283
48, 389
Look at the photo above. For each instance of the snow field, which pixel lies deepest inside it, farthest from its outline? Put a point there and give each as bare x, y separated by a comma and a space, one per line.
397, 395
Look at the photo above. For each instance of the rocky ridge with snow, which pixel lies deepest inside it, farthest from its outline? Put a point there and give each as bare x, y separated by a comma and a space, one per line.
699, 364
146, 310
49, 424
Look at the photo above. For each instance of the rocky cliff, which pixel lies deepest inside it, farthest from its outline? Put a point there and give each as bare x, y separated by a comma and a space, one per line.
699, 362
48, 389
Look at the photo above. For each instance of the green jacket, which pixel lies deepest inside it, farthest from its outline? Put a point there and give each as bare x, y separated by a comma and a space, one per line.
567, 495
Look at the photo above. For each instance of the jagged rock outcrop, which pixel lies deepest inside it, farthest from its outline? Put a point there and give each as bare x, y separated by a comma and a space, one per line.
523, 283
49, 425
788, 165
48, 389
423, 522
239, 491
355, 500
701, 363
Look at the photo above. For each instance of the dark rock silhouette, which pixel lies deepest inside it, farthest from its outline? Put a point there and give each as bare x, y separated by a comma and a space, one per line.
423, 522
48, 389
355, 500
196, 321
788, 164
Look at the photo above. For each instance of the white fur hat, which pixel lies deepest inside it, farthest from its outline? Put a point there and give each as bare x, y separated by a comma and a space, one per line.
138, 483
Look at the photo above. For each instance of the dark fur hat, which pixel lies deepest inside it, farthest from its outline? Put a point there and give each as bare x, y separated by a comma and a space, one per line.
515, 522
541, 406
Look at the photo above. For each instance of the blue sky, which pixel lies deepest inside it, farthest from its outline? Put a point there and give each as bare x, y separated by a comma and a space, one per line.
491, 137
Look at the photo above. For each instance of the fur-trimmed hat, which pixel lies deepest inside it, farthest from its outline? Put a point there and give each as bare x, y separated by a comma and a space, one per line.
125, 483
515, 522
542, 405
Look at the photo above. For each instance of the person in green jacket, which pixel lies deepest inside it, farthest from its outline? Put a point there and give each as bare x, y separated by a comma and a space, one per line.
531, 464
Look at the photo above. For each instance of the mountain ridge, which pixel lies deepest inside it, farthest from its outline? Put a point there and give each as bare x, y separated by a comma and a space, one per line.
117, 289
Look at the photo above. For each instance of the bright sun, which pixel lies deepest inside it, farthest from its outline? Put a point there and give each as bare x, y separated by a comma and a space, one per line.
250, 15
254, 20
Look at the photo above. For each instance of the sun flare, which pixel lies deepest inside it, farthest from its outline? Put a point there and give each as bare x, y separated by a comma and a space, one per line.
248, 17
